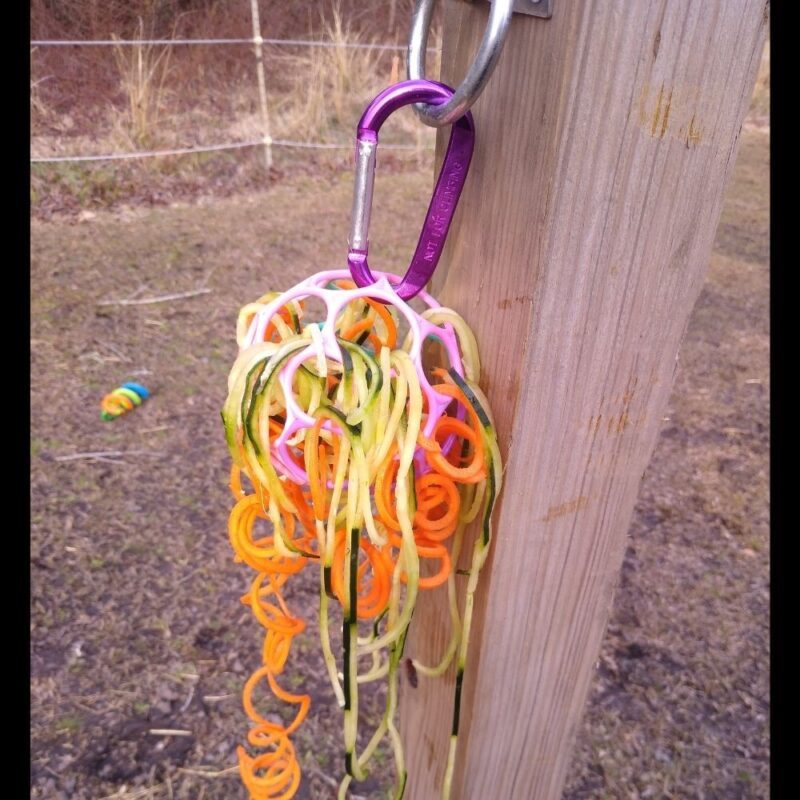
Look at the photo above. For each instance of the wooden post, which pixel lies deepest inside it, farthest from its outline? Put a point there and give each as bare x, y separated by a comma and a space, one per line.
258, 50
605, 140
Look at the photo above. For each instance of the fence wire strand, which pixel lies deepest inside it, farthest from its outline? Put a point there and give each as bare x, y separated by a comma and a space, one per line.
212, 148
252, 40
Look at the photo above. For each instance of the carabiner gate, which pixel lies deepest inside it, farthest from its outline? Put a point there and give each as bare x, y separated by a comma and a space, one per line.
445, 194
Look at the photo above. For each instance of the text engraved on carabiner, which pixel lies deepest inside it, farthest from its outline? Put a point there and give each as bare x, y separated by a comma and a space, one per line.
441, 211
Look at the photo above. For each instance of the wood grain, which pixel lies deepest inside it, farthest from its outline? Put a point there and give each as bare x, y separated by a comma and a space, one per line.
605, 140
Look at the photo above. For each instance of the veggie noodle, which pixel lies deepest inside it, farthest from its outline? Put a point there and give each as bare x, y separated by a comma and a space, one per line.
358, 464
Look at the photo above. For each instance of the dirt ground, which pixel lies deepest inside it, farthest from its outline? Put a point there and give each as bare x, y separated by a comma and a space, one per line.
136, 621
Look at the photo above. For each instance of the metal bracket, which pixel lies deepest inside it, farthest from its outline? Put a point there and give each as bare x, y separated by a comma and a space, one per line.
534, 8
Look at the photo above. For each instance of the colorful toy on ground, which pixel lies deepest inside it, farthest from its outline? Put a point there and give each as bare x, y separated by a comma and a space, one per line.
122, 400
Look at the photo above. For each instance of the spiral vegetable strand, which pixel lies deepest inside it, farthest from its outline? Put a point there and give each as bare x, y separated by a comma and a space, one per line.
357, 462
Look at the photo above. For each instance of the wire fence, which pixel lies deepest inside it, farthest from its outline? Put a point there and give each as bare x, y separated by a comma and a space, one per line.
254, 40
211, 148
267, 142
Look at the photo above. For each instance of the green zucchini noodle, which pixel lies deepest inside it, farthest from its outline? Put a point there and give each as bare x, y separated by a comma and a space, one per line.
373, 486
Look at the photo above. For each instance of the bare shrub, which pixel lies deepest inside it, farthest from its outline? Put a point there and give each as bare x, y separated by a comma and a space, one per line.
143, 70
326, 83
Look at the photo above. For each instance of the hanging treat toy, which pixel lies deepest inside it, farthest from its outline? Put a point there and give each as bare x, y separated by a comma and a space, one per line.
368, 447
122, 400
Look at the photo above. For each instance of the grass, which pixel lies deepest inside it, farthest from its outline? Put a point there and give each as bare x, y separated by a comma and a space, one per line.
332, 85
164, 98
68, 725
692, 600
143, 71
91, 186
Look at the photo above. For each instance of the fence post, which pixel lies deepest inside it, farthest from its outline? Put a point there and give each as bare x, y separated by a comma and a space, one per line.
258, 49
605, 140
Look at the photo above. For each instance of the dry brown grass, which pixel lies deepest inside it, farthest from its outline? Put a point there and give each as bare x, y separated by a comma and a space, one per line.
314, 88
759, 106
39, 108
326, 82
331, 87
143, 70
159, 97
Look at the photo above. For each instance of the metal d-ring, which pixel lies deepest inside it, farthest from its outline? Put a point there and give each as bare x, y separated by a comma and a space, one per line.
479, 71
445, 194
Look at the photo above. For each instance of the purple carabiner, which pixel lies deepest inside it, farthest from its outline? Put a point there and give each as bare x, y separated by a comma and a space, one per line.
445, 195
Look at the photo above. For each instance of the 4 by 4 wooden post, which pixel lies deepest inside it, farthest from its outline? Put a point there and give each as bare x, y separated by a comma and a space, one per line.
605, 140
